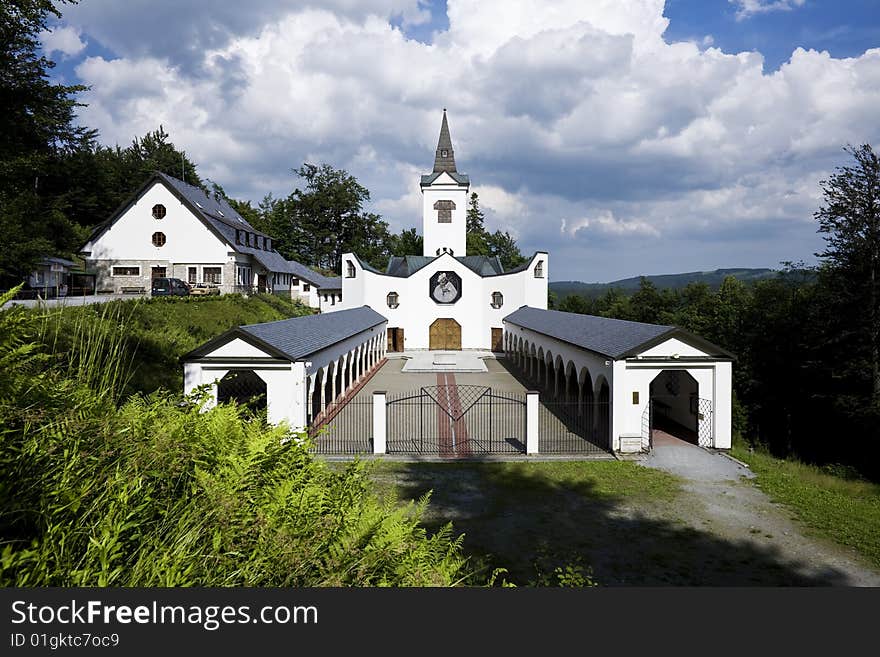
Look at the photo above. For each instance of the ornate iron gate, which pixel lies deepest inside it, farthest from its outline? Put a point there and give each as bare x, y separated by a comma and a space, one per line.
456, 421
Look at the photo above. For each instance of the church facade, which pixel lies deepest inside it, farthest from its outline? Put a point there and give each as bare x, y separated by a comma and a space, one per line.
444, 299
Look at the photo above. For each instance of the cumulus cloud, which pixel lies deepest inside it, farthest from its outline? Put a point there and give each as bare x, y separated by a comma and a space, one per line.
63, 39
748, 8
583, 112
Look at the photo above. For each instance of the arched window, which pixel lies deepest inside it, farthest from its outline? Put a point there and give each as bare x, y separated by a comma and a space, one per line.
497, 299
393, 300
350, 271
159, 211
539, 269
158, 239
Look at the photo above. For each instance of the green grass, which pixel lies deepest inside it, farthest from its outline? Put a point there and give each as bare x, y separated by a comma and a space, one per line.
841, 507
159, 331
543, 522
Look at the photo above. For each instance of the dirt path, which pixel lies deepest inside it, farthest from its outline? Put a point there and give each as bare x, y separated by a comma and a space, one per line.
720, 498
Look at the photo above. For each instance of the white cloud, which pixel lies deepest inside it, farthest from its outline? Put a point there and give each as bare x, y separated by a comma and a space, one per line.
577, 111
63, 39
748, 8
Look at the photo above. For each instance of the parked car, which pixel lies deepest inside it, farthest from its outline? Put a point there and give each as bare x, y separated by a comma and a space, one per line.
202, 289
169, 287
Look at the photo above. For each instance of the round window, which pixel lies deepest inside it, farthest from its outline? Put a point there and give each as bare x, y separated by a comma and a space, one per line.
159, 211
158, 239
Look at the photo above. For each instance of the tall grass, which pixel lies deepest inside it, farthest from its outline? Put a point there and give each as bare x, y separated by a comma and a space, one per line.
100, 489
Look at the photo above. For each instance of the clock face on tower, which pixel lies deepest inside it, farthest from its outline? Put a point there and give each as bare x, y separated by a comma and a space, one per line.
445, 287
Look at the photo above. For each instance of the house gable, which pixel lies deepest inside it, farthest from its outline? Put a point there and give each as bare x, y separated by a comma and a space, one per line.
129, 235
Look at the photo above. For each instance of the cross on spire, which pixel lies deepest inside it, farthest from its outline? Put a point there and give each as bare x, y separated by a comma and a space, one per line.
444, 160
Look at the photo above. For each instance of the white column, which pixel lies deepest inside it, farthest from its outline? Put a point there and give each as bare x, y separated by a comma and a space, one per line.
532, 422
380, 435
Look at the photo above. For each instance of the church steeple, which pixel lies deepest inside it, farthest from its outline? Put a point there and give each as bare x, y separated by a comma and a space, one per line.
444, 160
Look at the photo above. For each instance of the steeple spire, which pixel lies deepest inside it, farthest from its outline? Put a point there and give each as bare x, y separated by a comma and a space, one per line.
445, 158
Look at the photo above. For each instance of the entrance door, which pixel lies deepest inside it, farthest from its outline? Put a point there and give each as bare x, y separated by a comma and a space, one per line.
497, 339
395, 339
445, 334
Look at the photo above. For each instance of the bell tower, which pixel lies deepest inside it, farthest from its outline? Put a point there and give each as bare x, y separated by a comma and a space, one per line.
444, 201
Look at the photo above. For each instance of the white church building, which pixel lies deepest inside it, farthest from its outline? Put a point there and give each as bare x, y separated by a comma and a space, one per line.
600, 383
444, 299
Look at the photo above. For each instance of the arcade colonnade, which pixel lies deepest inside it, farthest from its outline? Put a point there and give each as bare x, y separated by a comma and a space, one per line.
331, 382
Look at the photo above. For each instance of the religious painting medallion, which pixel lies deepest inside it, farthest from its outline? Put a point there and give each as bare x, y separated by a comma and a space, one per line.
445, 287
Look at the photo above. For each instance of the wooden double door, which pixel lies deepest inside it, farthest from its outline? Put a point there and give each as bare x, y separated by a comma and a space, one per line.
445, 334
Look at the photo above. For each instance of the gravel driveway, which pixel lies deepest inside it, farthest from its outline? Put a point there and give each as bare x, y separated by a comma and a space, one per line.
719, 496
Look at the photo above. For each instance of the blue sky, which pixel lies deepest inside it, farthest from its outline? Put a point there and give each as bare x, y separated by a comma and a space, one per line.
626, 137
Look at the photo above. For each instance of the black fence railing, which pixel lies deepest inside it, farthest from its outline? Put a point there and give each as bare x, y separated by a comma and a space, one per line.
571, 427
456, 422
349, 431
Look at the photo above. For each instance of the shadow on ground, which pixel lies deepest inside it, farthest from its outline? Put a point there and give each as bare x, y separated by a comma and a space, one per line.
514, 516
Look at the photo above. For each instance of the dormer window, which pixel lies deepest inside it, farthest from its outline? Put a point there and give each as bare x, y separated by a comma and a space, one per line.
158, 211
239, 237
393, 300
497, 300
349, 269
444, 211
539, 270
268, 244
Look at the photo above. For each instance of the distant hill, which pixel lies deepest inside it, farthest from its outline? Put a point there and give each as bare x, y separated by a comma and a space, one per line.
663, 281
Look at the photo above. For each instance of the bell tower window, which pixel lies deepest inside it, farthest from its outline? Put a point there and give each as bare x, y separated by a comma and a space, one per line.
539, 270
444, 211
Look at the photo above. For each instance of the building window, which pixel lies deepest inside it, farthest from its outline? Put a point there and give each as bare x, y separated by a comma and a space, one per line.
539, 270
393, 300
239, 237
126, 271
158, 211
350, 271
212, 274
444, 211
497, 299
444, 249
268, 244
306, 287
294, 282
158, 239
192, 274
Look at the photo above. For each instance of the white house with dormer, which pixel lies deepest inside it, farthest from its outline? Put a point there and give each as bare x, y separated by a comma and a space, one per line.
169, 228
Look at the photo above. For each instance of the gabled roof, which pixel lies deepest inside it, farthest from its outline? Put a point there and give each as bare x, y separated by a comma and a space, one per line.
222, 220
615, 338
405, 266
460, 178
318, 280
298, 337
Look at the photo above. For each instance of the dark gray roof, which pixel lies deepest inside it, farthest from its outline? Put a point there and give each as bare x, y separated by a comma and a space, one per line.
404, 266
298, 337
610, 337
216, 210
318, 280
460, 178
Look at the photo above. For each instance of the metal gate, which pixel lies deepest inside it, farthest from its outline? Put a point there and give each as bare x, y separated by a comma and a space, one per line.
456, 421
704, 435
